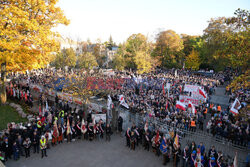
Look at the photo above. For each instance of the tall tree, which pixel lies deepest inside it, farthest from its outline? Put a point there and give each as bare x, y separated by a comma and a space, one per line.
26, 39
228, 41
87, 60
193, 60
69, 56
168, 48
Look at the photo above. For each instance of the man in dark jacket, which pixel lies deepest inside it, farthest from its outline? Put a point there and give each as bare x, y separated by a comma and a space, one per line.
120, 122
108, 132
35, 142
7, 148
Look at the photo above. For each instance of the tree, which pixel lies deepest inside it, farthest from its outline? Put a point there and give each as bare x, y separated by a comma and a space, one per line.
59, 61
168, 48
26, 39
193, 60
144, 62
69, 56
135, 53
134, 44
87, 60
228, 41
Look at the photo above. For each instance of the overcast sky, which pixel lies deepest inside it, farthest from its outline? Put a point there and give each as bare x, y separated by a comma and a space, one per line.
95, 19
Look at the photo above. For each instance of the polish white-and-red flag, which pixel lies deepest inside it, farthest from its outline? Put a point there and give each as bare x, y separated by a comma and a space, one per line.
122, 102
235, 107
190, 105
202, 93
181, 105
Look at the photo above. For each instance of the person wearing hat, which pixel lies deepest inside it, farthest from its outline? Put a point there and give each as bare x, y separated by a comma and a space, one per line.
192, 159
43, 146
212, 162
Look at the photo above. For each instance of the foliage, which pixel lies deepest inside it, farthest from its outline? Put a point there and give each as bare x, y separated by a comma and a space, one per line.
144, 62
193, 60
168, 48
7, 115
87, 60
26, 39
227, 41
135, 53
119, 62
67, 57
241, 82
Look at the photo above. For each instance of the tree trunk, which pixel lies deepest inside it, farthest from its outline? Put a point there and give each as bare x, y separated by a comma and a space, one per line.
3, 79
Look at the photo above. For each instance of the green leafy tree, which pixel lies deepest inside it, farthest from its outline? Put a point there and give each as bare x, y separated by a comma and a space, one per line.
168, 48
87, 60
193, 60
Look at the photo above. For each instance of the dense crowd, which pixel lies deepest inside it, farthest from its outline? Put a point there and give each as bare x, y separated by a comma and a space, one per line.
144, 94
192, 155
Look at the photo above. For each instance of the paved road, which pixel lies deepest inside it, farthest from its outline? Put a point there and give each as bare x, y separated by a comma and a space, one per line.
92, 154
219, 97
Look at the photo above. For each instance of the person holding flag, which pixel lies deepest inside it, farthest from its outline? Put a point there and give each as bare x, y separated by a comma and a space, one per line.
68, 131
164, 150
176, 150
55, 134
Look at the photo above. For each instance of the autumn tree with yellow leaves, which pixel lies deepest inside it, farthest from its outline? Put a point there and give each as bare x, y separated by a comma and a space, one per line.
26, 36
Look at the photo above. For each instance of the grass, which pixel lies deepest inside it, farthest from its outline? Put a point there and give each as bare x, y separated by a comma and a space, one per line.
8, 114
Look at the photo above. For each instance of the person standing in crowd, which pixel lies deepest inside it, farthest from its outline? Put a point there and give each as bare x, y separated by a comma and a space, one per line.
15, 151
108, 132
146, 141
20, 144
120, 122
128, 135
186, 155
35, 142
27, 145
176, 154
6, 147
43, 146
132, 140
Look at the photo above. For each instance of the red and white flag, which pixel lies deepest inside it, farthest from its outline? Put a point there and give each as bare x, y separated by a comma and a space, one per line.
235, 107
180, 105
202, 93
122, 102
190, 105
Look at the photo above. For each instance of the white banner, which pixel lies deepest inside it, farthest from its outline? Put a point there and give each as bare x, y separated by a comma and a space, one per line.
194, 89
186, 99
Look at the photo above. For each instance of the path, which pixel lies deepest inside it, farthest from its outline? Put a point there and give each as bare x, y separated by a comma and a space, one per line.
220, 98
92, 154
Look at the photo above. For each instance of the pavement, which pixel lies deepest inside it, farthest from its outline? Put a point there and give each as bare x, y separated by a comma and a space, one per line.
82, 153
219, 97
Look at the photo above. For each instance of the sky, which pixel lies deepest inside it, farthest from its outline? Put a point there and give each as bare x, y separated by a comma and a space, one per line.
98, 19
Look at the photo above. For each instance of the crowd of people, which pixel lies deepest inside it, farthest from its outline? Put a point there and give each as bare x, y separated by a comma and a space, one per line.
192, 155
53, 126
145, 94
